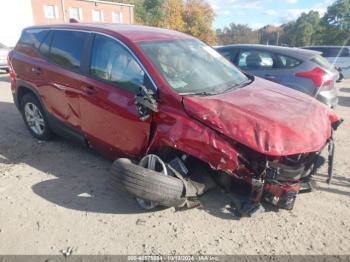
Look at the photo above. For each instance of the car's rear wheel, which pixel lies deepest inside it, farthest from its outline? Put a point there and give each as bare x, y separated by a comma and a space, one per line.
150, 187
34, 117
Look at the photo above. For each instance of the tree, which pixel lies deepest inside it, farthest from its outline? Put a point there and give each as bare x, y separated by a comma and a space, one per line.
194, 17
173, 15
198, 17
237, 34
153, 12
271, 35
336, 24
304, 31
338, 15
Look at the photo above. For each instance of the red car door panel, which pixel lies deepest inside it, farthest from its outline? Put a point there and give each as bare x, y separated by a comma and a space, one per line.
61, 89
108, 113
110, 120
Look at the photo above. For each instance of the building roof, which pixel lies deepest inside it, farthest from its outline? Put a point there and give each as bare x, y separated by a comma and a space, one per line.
135, 33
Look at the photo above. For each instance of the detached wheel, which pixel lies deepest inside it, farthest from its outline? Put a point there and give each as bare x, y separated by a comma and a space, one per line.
34, 117
149, 182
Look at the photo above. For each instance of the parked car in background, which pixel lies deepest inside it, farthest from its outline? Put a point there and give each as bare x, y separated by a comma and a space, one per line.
4, 50
174, 105
299, 69
336, 55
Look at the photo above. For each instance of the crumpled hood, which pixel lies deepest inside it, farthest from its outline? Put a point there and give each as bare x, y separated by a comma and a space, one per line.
266, 117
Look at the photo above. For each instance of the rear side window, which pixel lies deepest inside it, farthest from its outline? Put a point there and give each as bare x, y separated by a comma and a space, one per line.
345, 52
322, 62
67, 48
287, 62
33, 37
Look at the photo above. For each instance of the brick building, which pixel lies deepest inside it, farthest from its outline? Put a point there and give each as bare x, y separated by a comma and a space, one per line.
60, 11
17, 14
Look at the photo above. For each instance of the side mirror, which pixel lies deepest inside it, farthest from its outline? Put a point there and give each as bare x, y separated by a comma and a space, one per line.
145, 101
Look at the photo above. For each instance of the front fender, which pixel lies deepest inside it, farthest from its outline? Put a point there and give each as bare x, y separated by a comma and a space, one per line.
192, 137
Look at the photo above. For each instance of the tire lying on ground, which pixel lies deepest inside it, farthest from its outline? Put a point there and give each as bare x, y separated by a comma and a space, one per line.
147, 184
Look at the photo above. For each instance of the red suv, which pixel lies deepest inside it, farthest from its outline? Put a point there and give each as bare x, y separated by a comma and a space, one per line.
173, 105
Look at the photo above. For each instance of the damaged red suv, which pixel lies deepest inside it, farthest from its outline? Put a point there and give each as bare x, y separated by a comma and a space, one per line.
181, 116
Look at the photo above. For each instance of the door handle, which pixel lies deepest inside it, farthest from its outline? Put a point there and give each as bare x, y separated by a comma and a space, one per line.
89, 90
37, 70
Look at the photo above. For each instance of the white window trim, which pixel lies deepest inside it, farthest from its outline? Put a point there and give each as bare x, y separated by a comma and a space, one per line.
100, 15
80, 11
80, 14
120, 17
55, 15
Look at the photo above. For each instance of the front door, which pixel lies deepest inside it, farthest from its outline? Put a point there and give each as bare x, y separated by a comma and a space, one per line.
108, 112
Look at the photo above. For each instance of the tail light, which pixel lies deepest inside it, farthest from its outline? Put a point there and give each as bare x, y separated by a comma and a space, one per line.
319, 77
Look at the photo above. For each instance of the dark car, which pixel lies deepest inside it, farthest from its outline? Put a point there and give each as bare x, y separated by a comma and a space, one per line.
299, 69
174, 106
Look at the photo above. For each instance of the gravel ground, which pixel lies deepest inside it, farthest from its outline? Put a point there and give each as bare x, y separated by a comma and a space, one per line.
55, 195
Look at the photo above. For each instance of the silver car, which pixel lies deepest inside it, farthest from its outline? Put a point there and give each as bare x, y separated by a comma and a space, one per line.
336, 55
4, 50
303, 70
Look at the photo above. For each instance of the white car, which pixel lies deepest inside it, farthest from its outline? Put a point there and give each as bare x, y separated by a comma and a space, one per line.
337, 55
4, 50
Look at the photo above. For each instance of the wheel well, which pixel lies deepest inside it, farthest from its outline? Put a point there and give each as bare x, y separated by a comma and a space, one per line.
168, 153
22, 90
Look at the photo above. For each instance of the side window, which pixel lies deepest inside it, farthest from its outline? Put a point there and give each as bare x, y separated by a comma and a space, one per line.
335, 52
229, 54
45, 45
112, 62
345, 52
287, 62
254, 60
67, 48
33, 37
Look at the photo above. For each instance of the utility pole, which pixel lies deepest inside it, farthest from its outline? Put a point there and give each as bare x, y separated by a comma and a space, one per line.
278, 37
63, 11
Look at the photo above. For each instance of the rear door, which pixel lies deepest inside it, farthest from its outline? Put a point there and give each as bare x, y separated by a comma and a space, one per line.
108, 112
64, 51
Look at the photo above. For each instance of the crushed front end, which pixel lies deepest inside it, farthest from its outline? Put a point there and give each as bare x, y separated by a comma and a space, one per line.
277, 180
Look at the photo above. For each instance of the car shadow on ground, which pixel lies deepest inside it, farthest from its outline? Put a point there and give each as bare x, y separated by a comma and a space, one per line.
77, 178
339, 184
344, 101
74, 176
344, 89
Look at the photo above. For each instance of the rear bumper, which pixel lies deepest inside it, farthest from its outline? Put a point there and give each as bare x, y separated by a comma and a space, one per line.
328, 97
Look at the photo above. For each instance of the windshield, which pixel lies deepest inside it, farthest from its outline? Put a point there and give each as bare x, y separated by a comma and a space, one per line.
191, 67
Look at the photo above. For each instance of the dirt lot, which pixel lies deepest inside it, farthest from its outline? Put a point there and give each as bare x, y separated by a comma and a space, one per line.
55, 195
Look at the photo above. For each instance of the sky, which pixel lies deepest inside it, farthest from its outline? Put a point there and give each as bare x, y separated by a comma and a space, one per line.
258, 13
